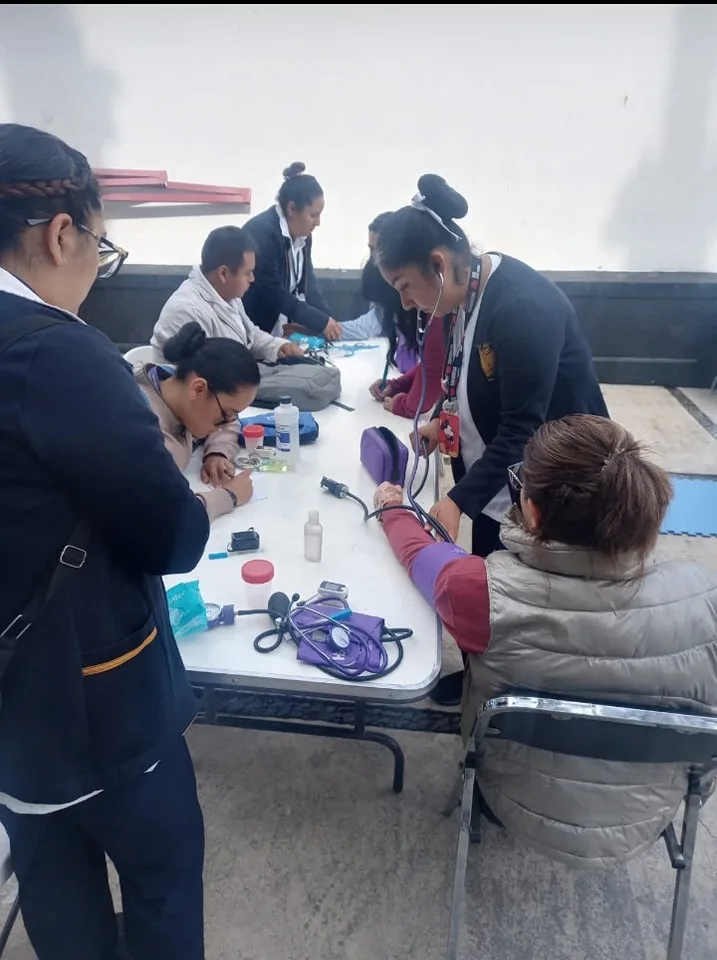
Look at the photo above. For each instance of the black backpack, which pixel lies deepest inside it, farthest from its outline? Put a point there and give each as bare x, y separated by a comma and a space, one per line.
71, 556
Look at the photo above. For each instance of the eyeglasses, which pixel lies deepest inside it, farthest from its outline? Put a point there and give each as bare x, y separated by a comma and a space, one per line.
515, 483
111, 256
226, 417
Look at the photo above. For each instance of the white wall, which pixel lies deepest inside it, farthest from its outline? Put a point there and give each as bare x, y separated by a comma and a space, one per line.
583, 135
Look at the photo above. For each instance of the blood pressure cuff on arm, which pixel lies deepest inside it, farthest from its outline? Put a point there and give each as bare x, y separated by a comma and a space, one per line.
429, 563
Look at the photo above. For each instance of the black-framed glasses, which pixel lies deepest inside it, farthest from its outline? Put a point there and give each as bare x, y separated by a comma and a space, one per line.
515, 483
226, 418
111, 255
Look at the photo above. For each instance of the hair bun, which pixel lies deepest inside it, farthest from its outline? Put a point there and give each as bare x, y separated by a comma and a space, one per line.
185, 343
442, 199
294, 169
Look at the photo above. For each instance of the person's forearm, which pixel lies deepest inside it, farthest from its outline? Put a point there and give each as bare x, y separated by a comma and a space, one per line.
407, 404
402, 384
216, 502
224, 442
365, 327
417, 551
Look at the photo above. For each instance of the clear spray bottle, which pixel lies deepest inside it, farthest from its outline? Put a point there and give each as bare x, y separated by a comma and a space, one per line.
313, 537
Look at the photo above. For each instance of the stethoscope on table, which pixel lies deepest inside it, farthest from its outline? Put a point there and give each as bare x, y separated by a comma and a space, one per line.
330, 637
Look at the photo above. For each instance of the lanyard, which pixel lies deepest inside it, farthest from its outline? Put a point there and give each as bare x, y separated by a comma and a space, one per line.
294, 256
454, 353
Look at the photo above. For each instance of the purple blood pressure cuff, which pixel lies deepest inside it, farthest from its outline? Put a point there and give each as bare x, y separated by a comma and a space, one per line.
429, 563
384, 456
370, 655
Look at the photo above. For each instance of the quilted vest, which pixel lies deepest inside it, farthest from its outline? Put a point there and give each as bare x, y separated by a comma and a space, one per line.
570, 622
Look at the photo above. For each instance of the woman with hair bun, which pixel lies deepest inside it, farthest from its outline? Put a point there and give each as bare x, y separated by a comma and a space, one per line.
577, 605
213, 379
94, 698
515, 358
285, 289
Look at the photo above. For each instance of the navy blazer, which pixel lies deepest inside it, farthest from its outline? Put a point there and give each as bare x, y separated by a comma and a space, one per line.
268, 297
529, 362
96, 689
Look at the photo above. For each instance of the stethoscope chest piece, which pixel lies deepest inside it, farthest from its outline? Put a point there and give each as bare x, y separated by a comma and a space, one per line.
339, 638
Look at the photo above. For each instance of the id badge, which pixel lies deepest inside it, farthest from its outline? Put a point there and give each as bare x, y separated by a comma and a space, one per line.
448, 433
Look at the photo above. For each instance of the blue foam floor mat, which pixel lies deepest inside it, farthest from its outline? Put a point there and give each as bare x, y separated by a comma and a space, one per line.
693, 511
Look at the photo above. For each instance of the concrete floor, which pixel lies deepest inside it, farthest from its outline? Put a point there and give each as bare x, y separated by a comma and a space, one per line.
310, 856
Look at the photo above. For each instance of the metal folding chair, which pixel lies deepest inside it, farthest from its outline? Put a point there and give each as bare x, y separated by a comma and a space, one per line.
601, 732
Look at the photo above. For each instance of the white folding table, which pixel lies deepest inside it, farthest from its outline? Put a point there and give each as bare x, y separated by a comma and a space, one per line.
223, 661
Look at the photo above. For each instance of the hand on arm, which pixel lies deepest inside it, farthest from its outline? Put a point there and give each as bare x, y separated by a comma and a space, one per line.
216, 470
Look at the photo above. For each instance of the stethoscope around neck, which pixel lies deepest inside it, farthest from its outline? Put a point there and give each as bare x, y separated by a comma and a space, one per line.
424, 323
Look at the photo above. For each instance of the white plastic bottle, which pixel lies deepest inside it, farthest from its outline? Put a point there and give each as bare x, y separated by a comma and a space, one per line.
313, 537
286, 419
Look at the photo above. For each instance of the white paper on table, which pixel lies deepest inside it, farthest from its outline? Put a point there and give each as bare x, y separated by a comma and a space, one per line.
259, 483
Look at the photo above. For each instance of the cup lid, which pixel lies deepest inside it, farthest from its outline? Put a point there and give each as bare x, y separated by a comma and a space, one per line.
253, 430
257, 571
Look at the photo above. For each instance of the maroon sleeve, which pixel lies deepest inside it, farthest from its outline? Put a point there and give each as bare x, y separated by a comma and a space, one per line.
406, 405
406, 535
460, 595
402, 384
463, 603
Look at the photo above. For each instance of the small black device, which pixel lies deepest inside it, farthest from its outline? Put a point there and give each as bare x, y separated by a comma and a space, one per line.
244, 541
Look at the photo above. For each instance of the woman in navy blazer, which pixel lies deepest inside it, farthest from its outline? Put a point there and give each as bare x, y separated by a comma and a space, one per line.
285, 289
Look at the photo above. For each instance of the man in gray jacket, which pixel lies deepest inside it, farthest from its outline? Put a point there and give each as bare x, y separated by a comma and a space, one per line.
211, 295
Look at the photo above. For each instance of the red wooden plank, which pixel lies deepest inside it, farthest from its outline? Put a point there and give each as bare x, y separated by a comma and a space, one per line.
206, 188
167, 196
156, 175
114, 182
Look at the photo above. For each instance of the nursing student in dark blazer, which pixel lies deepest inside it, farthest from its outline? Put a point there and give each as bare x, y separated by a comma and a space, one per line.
515, 356
95, 700
285, 288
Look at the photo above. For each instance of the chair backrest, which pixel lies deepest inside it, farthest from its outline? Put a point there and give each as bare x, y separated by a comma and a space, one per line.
144, 354
602, 731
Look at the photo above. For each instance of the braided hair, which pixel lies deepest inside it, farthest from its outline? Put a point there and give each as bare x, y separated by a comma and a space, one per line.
41, 176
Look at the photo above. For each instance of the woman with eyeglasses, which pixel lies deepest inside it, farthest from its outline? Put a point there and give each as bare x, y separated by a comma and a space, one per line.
514, 357
213, 379
94, 699
576, 605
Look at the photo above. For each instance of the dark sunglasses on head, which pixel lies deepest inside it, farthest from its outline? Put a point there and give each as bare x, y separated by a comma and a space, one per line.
111, 256
515, 483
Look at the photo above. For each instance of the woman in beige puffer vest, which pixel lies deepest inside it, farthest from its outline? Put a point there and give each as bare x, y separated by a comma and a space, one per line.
576, 605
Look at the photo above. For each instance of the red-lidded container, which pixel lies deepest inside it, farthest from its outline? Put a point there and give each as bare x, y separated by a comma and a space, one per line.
258, 577
253, 434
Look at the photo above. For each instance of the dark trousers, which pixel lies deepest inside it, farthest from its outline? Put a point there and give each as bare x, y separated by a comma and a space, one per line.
486, 537
152, 830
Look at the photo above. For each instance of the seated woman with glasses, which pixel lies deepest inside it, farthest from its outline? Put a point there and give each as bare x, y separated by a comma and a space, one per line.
213, 379
576, 605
